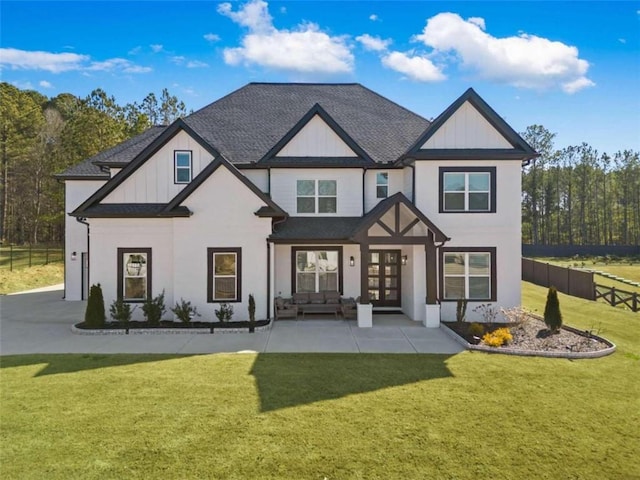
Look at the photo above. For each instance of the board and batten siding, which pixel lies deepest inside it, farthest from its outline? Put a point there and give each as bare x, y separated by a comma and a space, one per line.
153, 182
316, 139
259, 177
395, 185
348, 185
466, 128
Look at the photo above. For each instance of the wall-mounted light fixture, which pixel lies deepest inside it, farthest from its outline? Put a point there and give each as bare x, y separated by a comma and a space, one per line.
352, 261
404, 259
74, 255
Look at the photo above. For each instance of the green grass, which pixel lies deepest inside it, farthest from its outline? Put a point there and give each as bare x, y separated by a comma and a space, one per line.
340, 416
29, 278
14, 257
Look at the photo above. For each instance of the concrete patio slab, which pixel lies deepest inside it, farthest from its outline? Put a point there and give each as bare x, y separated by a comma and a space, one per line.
40, 322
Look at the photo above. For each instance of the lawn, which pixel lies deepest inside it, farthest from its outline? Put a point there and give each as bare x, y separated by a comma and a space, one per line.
28, 278
340, 416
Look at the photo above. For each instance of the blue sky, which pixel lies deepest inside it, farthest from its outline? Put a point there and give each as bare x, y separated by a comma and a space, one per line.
573, 67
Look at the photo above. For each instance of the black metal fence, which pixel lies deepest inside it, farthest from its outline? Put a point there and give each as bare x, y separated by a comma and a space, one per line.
577, 283
23, 256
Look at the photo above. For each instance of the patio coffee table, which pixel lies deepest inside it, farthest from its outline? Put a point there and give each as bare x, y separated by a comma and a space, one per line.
320, 308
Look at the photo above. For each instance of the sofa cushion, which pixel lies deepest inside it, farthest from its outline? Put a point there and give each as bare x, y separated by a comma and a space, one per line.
332, 297
316, 298
300, 298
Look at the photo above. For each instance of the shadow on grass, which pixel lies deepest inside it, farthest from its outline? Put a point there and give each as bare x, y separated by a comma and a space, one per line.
70, 363
288, 380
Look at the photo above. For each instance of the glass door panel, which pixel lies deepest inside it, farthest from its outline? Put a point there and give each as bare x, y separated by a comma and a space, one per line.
384, 278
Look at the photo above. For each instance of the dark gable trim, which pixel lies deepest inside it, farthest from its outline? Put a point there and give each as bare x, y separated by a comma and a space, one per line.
382, 207
520, 146
238, 252
333, 248
121, 252
494, 280
315, 162
321, 112
492, 186
308, 241
171, 131
470, 154
63, 177
207, 172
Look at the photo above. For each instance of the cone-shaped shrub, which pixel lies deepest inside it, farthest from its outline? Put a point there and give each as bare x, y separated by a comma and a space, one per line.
552, 315
94, 315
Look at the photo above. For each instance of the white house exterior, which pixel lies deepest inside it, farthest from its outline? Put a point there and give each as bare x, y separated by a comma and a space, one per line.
283, 188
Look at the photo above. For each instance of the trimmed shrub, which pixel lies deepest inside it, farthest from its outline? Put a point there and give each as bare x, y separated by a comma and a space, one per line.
225, 312
252, 313
120, 311
94, 316
154, 308
497, 338
552, 315
476, 329
184, 311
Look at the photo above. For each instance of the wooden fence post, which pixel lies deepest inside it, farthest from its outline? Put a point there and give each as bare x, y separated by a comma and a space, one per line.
613, 296
29, 255
11, 257
635, 302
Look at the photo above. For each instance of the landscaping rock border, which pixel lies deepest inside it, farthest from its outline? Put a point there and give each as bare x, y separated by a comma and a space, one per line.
611, 347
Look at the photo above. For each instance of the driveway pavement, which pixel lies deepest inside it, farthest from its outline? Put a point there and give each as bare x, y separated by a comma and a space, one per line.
40, 322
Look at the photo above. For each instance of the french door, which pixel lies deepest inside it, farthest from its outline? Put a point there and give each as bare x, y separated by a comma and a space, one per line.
384, 278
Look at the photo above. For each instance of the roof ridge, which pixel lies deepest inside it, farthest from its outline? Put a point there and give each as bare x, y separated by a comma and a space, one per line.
305, 83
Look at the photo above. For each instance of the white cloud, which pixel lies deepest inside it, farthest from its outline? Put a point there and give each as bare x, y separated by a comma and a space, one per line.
45, 84
117, 64
180, 60
525, 61
22, 85
415, 67
373, 17
196, 64
211, 37
622, 40
135, 50
156, 48
303, 49
373, 43
38, 60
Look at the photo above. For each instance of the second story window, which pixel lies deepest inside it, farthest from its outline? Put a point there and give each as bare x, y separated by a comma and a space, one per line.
467, 189
382, 185
316, 196
182, 166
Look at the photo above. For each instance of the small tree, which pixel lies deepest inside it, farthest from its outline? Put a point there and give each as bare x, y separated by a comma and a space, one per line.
154, 308
184, 311
252, 313
461, 310
225, 312
121, 311
552, 315
94, 315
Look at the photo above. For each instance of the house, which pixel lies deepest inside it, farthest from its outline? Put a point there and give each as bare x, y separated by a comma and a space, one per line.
282, 188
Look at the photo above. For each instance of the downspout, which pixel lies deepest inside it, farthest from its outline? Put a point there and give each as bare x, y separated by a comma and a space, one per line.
84, 222
413, 182
268, 280
364, 172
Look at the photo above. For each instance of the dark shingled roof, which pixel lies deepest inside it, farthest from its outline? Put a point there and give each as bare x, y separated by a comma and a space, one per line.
244, 125
140, 210
316, 228
121, 154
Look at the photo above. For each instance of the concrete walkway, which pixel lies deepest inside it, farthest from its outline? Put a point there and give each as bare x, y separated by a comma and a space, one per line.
40, 322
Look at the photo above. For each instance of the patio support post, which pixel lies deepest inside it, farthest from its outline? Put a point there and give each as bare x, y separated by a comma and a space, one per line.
432, 308
364, 273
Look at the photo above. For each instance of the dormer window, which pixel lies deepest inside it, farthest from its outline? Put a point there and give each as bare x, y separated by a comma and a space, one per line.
182, 166
316, 196
382, 185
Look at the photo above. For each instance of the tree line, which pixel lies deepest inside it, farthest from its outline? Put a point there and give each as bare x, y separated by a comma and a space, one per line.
571, 196
579, 196
41, 136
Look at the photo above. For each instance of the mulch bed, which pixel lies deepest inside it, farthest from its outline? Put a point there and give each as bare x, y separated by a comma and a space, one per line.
533, 335
134, 325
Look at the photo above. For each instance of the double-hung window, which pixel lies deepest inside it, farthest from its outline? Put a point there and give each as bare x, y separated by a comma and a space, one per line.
469, 274
316, 270
134, 274
382, 185
182, 166
316, 196
224, 267
469, 189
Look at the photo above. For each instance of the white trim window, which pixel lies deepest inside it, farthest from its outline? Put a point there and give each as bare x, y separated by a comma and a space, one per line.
467, 191
134, 270
316, 196
224, 267
467, 275
317, 271
382, 184
182, 166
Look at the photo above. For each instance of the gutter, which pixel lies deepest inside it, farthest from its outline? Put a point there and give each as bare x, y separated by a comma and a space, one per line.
84, 222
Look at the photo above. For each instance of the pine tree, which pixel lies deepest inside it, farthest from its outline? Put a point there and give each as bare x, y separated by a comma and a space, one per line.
552, 315
94, 316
